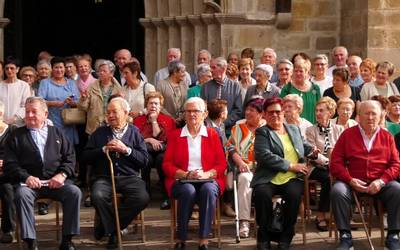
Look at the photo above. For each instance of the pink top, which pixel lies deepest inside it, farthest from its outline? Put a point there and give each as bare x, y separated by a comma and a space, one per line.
84, 85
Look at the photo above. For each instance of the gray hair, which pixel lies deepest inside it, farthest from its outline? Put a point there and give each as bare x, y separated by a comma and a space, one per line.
267, 69
269, 50
197, 100
296, 99
101, 62
43, 62
177, 50
321, 57
367, 103
205, 52
175, 66
221, 62
38, 99
122, 102
285, 61
340, 47
202, 69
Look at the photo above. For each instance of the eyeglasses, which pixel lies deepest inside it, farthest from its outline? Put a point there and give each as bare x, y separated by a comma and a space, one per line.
195, 111
28, 75
319, 64
284, 69
274, 112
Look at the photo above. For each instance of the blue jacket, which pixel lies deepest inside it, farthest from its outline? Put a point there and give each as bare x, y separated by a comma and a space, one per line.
123, 165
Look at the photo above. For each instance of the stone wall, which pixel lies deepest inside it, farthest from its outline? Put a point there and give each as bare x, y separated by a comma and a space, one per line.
383, 42
369, 28
233, 25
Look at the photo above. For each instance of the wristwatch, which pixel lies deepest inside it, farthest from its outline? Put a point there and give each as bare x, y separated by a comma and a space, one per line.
64, 175
381, 183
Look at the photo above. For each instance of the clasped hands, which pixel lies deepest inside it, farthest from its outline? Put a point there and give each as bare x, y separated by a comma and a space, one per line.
198, 175
117, 146
56, 181
363, 187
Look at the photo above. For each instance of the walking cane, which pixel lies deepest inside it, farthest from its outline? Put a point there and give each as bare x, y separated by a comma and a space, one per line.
363, 221
114, 192
235, 199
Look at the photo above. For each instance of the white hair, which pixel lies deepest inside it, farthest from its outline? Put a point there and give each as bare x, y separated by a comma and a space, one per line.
196, 100
266, 68
122, 102
269, 50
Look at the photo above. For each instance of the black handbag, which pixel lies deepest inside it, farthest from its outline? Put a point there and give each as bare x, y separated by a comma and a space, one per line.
276, 225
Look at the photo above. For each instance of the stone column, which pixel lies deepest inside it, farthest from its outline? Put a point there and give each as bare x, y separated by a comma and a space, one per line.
174, 33
188, 52
150, 47
213, 34
3, 24
162, 42
199, 35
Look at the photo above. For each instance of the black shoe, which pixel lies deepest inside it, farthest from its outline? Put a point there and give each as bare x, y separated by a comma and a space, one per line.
263, 245
180, 246
283, 246
67, 245
346, 242
112, 242
203, 247
165, 205
88, 202
98, 228
43, 208
7, 237
392, 242
31, 244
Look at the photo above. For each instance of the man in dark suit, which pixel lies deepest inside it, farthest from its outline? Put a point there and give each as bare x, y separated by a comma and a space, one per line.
40, 161
129, 156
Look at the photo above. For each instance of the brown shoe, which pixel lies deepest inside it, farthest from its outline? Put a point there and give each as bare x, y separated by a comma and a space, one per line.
228, 211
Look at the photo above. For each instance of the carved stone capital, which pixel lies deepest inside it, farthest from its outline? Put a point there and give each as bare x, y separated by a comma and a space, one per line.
195, 20
158, 22
170, 21
4, 22
182, 20
147, 23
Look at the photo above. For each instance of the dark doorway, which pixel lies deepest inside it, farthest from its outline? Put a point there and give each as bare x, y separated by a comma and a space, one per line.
97, 27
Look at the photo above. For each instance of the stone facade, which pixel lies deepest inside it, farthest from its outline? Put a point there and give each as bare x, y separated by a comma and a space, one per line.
368, 28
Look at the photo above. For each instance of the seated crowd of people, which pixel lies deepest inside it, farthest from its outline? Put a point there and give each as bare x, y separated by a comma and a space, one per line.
267, 127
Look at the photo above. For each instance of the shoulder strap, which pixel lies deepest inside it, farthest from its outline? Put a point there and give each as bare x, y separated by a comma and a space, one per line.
144, 92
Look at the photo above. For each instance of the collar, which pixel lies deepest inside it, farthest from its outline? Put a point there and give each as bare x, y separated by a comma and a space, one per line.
326, 130
202, 132
44, 127
365, 135
121, 130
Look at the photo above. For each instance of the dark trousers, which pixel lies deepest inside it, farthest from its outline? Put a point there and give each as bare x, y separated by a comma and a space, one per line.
7, 208
70, 197
291, 193
155, 160
187, 194
134, 200
322, 176
342, 199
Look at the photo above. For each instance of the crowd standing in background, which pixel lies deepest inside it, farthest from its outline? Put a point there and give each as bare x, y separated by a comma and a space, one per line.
272, 124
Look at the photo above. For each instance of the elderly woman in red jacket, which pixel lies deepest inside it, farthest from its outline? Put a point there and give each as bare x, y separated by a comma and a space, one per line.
194, 167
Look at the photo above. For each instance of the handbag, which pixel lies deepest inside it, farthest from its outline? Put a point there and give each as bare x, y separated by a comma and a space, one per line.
276, 225
73, 116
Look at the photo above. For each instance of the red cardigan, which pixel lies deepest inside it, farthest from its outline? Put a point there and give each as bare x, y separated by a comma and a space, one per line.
350, 158
177, 157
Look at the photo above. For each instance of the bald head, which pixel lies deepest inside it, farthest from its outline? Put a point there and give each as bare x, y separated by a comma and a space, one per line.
122, 57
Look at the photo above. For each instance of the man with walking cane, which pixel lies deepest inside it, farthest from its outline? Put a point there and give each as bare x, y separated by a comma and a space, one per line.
365, 160
127, 150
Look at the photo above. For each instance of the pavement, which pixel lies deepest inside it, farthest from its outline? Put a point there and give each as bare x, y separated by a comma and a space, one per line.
157, 230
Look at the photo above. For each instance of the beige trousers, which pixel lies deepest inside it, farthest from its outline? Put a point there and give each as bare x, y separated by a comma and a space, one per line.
244, 195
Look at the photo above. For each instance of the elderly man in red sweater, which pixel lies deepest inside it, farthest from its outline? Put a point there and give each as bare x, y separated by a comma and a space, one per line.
365, 159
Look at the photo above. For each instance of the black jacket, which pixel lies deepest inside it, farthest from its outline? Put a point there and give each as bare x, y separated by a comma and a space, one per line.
22, 157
